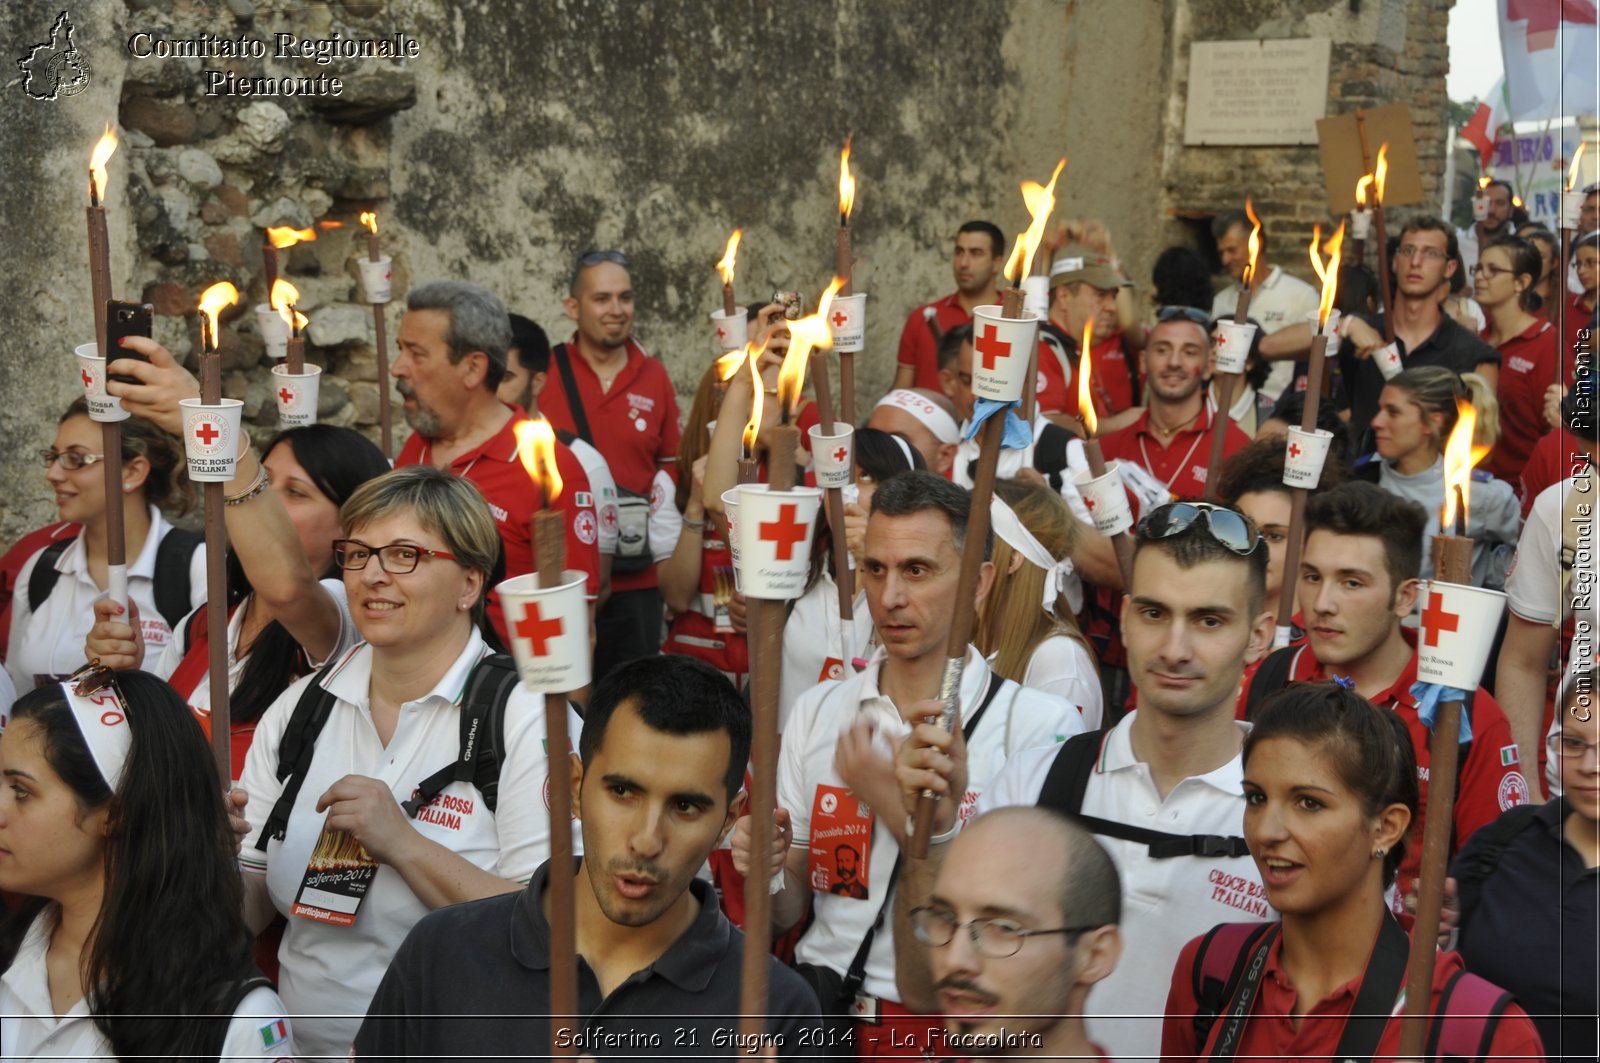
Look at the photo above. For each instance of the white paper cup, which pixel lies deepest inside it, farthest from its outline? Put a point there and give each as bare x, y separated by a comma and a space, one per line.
211, 439
1571, 208
1306, 454
1458, 627
1036, 294
1331, 329
377, 278
730, 513
1106, 499
833, 457
92, 375
847, 320
775, 533
730, 332
274, 330
1387, 359
1002, 350
549, 631
1480, 207
1233, 345
1360, 224
296, 394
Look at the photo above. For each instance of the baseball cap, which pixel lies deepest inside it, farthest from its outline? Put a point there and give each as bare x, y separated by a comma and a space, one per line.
1079, 263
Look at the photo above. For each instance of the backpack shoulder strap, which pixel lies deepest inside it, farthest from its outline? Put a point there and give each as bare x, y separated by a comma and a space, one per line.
481, 749
44, 576
1465, 1020
295, 750
569, 385
220, 1006
1271, 677
1218, 965
1068, 778
1492, 840
173, 554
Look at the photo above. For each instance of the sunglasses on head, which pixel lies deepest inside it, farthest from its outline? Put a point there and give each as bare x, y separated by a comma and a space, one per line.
1187, 313
594, 258
1232, 529
93, 678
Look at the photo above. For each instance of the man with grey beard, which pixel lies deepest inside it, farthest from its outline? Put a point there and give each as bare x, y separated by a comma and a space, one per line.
451, 357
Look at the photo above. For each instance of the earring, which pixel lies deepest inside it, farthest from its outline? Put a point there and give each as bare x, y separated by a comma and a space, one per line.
1377, 854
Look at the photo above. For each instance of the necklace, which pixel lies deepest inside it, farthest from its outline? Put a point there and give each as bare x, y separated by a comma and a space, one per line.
1168, 433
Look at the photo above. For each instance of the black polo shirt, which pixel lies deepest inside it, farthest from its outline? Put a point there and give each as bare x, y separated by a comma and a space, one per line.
1451, 346
1533, 930
472, 981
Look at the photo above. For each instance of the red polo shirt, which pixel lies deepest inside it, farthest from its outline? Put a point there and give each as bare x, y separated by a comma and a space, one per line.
634, 426
1489, 781
918, 349
1181, 464
1529, 364
1274, 1030
497, 471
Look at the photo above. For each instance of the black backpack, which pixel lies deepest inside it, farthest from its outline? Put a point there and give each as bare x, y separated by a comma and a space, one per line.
483, 716
171, 579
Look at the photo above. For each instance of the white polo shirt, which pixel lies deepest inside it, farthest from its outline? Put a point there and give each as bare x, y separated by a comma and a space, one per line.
329, 973
1279, 302
605, 492
812, 639
1165, 903
30, 1029
1063, 666
1016, 719
48, 641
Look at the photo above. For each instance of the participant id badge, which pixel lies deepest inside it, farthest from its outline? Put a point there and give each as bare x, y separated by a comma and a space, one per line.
336, 881
841, 843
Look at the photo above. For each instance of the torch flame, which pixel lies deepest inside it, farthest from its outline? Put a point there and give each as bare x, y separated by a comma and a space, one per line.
728, 365
1460, 455
282, 236
536, 446
369, 218
1255, 241
847, 185
1361, 190
1483, 182
1091, 423
1041, 200
103, 150
330, 224
1577, 166
1327, 273
725, 267
805, 335
752, 353
1381, 171
283, 299
213, 299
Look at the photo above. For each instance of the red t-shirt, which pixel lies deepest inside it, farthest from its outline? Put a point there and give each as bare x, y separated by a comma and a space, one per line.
1555, 457
1489, 782
1580, 330
1181, 464
918, 349
1272, 1030
497, 471
694, 633
1529, 364
1111, 382
634, 425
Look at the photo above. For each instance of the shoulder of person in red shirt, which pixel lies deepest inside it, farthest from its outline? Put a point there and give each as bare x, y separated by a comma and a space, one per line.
917, 347
1551, 461
12, 563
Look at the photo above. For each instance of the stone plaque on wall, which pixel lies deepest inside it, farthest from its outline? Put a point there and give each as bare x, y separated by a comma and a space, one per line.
1256, 92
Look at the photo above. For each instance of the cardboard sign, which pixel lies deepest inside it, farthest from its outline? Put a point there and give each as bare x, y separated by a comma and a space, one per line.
841, 843
1344, 162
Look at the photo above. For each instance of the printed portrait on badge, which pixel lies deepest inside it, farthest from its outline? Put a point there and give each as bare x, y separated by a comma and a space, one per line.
841, 844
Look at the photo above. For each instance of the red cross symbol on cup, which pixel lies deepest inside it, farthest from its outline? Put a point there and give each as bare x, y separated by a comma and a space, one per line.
839, 318
1435, 620
992, 347
1294, 450
537, 629
721, 335
785, 533
206, 433
1089, 502
840, 454
88, 379
285, 396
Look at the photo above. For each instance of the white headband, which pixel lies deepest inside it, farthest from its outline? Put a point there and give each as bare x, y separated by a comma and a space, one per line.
1009, 527
941, 424
103, 719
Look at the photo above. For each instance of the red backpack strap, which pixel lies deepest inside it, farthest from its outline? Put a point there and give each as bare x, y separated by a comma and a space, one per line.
1464, 1022
196, 656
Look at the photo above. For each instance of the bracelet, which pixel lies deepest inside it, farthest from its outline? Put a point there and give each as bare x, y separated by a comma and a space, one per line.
696, 525
934, 839
258, 485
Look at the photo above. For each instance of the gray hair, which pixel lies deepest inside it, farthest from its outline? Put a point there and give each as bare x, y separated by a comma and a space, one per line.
478, 322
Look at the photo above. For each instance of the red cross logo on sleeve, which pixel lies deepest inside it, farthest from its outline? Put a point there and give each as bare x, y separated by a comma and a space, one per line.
1435, 620
786, 532
206, 433
840, 454
992, 347
88, 381
1294, 450
285, 396
538, 630
839, 318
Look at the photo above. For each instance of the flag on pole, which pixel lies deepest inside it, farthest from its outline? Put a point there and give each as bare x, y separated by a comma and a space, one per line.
1549, 48
1482, 129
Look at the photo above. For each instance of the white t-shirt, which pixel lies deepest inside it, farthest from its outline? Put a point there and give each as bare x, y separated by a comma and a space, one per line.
47, 641
1533, 586
1016, 719
1165, 903
1279, 302
31, 1030
329, 972
1063, 667
812, 638
604, 488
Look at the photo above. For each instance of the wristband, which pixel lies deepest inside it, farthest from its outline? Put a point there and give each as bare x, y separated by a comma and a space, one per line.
934, 839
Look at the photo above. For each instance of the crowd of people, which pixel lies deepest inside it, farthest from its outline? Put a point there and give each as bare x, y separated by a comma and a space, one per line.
1156, 833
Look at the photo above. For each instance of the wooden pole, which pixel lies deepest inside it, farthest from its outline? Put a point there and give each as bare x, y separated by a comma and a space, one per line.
216, 536
110, 431
1382, 235
381, 350
1297, 498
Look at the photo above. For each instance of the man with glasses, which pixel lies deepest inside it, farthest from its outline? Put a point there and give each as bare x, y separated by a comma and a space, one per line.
610, 393
1495, 224
1021, 924
1423, 265
1278, 303
1162, 789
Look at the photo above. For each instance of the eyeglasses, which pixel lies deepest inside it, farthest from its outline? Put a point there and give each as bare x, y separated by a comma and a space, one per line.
1187, 313
1428, 254
1229, 527
992, 937
396, 559
1480, 268
71, 460
1565, 746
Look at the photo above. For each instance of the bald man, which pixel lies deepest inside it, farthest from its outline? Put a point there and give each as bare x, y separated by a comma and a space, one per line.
924, 418
1021, 923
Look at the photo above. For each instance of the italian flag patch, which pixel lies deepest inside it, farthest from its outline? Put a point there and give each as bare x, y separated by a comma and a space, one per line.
274, 1033
1508, 756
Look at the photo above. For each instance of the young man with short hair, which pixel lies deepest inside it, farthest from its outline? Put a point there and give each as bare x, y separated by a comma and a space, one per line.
1279, 304
978, 257
1495, 224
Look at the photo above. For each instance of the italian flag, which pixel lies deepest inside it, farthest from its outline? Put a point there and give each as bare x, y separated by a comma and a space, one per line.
274, 1033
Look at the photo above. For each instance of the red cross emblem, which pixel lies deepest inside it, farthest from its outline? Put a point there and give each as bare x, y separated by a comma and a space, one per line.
537, 630
721, 335
839, 318
206, 433
1436, 620
88, 381
991, 347
1089, 502
285, 396
840, 454
1294, 450
786, 532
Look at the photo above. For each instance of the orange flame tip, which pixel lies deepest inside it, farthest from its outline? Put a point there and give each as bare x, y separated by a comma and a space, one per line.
1255, 241
213, 299
728, 366
725, 266
283, 236
1327, 273
283, 298
1577, 166
1461, 455
1380, 173
752, 428
369, 218
1483, 182
536, 447
1091, 423
805, 335
104, 148
1361, 191
1040, 200
847, 185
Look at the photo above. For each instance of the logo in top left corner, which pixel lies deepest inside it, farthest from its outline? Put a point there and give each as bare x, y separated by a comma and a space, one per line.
55, 68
